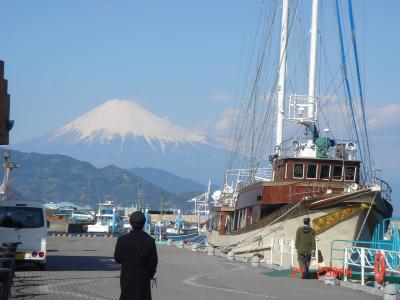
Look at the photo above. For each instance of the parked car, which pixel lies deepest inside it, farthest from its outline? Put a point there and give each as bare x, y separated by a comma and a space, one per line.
64, 211
81, 216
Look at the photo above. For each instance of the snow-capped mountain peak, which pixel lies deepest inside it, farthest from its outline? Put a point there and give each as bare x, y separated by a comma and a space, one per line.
121, 118
122, 133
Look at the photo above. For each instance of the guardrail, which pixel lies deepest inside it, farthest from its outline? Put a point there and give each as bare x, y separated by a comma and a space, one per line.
338, 249
364, 258
283, 248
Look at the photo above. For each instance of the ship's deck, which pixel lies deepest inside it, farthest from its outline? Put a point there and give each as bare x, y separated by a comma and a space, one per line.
83, 268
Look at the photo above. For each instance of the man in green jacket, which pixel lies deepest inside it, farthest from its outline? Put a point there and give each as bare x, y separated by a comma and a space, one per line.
305, 246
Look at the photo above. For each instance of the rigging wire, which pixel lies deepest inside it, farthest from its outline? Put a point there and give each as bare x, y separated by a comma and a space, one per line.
253, 131
347, 84
244, 112
234, 129
360, 89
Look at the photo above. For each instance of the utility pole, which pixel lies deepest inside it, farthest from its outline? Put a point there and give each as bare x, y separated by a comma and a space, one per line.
162, 203
6, 187
140, 194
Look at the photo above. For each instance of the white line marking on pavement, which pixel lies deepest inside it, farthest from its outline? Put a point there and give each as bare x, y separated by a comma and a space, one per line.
82, 296
192, 281
44, 289
50, 289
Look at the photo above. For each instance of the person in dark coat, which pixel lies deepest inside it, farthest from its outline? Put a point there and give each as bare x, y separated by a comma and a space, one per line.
137, 254
305, 246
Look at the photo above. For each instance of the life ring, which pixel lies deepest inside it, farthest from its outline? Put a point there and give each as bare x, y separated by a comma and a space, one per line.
379, 267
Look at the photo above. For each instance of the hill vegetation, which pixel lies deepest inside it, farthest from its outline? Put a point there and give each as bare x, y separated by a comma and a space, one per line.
57, 178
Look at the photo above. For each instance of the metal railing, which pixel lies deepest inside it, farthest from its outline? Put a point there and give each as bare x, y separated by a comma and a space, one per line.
364, 258
386, 190
338, 248
289, 148
243, 177
283, 248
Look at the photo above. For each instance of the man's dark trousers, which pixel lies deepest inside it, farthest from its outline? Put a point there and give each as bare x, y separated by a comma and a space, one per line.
304, 264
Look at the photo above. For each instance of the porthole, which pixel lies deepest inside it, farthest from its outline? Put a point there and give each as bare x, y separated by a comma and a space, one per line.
350, 173
298, 171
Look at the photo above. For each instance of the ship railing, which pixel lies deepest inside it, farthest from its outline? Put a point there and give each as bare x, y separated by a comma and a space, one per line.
364, 259
283, 253
386, 190
243, 177
300, 106
290, 148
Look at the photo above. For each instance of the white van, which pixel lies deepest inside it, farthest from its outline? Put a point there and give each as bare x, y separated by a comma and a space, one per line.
24, 222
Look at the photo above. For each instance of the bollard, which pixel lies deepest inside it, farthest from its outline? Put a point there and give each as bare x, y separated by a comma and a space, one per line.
390, 292
330, 278
169, 242
180, 244
210, 250
255, 261
230, 255
195, 247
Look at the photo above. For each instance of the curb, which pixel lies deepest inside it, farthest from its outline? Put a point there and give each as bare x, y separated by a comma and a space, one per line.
364, 288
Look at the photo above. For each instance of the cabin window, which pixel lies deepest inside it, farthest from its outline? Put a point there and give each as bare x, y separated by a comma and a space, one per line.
298, 171
337, 173
350, 173
312, 171
324, 171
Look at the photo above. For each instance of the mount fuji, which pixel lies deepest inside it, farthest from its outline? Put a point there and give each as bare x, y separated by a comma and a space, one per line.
122, 133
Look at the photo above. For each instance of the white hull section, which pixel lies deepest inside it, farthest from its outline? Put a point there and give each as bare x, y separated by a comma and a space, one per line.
97, 228
259, 240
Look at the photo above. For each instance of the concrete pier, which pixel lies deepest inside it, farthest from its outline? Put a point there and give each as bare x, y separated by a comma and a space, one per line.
83, 268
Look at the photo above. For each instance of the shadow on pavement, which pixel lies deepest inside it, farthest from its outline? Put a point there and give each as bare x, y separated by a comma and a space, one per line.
23, 287
81, 263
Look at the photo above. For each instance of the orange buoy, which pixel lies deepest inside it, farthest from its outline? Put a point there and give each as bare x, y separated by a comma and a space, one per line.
379, 267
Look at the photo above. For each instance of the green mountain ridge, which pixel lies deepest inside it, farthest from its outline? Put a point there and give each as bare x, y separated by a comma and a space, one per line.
167, 181
59, 178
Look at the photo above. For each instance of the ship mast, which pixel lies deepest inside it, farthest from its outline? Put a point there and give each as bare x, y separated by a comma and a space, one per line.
312, 71
282, 76
303, 108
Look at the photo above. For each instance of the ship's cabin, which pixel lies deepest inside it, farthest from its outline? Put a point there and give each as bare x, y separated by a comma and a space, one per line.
293, 180
315, 169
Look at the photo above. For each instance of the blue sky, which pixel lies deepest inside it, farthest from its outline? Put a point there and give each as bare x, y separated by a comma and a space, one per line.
66, 57
178, 59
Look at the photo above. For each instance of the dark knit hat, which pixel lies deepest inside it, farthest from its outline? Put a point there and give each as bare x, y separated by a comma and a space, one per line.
306, 221
137, 218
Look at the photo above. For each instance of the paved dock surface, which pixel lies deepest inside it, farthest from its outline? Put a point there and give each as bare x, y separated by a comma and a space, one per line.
83, 268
